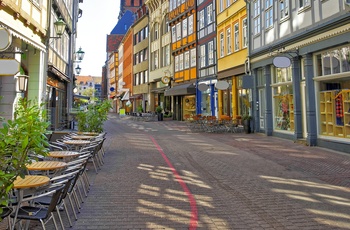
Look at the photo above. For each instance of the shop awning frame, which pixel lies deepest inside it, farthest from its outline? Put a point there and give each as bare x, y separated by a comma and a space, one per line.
184, 89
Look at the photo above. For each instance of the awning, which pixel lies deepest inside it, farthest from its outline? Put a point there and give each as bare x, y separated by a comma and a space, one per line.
136, 96
126, 96
81, 97
183, 89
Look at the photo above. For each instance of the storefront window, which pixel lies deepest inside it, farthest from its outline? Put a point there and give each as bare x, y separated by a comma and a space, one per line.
189, 105
334, 92
205, 102
333, 61
283, 107
283, 103
334, 114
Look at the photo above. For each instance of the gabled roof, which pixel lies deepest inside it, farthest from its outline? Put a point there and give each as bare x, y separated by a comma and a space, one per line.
124, 23
113, 41
118, 32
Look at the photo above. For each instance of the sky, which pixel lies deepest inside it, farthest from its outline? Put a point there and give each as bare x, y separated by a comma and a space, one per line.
98, 20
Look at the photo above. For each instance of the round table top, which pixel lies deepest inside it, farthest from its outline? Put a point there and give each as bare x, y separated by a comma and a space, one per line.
88, 133
76, 142
46, 165
82, 137
61, 154
30, 181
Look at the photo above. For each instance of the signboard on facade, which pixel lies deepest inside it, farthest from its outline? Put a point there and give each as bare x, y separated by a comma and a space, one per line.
9, 67
5, 39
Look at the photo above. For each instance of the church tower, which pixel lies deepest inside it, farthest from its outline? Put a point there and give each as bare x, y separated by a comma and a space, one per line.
131, 5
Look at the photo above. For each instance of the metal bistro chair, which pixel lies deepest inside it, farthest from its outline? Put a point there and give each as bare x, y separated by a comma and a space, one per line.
6, 212
38, 213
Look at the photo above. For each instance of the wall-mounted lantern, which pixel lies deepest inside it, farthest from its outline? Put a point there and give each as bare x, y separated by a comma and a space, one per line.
22, 83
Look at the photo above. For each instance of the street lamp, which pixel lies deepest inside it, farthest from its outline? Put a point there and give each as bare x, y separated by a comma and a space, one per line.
77, 70
22, 83
60, 26
80, 54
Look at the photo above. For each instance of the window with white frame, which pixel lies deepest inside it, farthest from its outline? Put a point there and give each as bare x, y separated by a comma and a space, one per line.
228, 41
236, 36
146, 32
141, 78
268, 13
284, 8
244, 33
210, 13
156, 61
156, 31
228, 3
173, 34
145, 54
201, 19
178, 3
202, 57
210, 53
176, 63
146, 76
141, 56
221, 5
256, 19
222, 53
193, 57
333, 61
37, 2
187, 59
190, 25
166, 27
184, 28
137, 58
181, 61
304, 3
167, 55
178, 31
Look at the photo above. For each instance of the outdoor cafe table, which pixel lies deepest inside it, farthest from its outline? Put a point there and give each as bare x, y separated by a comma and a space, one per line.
29, 181
88, 133
65, 155
76, 143
82, 137
46, 166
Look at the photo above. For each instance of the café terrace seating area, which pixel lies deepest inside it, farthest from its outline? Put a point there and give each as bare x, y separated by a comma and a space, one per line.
212, 124
55, 185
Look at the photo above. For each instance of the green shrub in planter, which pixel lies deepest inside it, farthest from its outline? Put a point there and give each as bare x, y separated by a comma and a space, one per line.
19, 137
93, 118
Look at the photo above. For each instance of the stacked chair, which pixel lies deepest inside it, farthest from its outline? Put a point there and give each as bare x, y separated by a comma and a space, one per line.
65, 191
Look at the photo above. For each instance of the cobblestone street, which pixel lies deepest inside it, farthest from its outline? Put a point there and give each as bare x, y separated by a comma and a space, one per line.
159, 175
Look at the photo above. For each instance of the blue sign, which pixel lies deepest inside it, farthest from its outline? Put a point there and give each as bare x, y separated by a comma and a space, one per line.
111, 89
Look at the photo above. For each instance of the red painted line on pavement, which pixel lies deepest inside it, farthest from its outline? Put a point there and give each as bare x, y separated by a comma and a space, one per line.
194, 216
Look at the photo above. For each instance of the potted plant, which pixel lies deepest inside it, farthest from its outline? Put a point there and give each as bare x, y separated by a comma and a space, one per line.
93, 118
159, 110
246, 123
24, 135
140, 109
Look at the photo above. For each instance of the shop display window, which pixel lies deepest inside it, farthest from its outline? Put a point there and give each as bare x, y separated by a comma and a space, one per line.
189, 106
283, 108
334, 109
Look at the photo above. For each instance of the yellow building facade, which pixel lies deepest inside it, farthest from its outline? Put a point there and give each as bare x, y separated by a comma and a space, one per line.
232, 44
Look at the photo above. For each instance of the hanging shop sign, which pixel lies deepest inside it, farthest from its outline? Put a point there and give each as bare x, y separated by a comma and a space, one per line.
281, 62
222, 85
5, 39
203, 87
9, 67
